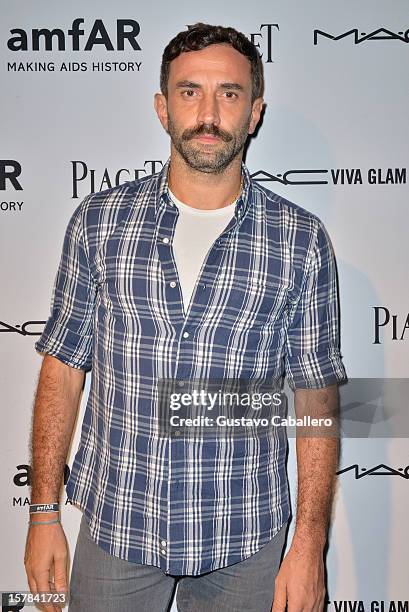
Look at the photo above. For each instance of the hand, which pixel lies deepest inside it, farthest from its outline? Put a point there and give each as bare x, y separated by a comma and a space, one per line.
45, 560
299, 584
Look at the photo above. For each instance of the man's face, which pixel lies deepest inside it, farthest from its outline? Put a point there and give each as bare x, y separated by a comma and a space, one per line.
208, 112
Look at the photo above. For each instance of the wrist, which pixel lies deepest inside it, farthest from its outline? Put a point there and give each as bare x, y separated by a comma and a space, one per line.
39, 497
312, 540
51, 520
44, 513
44, 507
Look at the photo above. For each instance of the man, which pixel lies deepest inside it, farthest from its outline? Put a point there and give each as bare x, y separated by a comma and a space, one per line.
195, 272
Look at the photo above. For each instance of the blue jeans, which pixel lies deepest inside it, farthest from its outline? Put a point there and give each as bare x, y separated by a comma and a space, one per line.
101, 582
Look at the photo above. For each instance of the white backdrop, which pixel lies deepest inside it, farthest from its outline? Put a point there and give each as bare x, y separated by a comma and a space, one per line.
334, 140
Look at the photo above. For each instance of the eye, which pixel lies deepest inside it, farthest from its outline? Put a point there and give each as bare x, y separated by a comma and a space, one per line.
188, 93
230, 95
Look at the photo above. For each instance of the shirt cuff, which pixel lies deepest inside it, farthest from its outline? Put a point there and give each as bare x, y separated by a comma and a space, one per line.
315, 370
71, 348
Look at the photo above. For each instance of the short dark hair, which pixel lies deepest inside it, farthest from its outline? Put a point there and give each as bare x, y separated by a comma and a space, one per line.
202, 35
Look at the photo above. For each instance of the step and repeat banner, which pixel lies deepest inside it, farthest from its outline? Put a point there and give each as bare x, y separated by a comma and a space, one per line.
78, 82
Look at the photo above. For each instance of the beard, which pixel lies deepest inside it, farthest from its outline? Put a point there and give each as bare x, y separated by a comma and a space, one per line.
209, 158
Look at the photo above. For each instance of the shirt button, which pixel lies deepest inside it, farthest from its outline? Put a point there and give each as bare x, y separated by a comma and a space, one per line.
186, 334
172, 284
165, 240
163, 543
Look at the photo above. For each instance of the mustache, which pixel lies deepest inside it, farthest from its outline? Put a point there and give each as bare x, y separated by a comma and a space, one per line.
204, 129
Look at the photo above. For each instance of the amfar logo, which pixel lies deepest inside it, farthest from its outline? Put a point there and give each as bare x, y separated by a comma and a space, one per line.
378, 470
127, 31
23, 477
360, 37
10, 170
383, 318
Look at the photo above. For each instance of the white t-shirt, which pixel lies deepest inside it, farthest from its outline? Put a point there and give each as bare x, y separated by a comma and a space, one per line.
196, 230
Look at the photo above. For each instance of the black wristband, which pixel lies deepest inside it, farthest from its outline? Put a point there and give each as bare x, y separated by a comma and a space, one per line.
34, 508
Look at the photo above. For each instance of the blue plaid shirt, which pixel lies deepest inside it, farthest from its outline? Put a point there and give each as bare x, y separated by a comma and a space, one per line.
264, 305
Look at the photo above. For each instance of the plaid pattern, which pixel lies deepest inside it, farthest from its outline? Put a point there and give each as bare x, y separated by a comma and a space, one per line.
264, 305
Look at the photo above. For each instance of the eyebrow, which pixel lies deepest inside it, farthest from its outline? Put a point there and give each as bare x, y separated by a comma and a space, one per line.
226, 85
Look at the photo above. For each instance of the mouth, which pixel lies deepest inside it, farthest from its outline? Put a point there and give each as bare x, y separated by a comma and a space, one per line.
207, 138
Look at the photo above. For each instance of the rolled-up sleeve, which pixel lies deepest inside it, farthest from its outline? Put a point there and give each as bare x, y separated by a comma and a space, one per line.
312, 356
68, 332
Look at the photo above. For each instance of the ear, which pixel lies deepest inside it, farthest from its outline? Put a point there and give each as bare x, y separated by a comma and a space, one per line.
161, 107
256, 109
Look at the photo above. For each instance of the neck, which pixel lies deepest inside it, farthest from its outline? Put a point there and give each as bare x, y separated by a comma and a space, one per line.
193, 187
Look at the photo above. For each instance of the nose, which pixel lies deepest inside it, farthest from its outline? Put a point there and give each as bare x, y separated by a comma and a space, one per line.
208, 111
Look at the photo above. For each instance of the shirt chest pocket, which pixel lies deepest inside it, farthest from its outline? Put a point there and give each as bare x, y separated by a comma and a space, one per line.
133, 288
253, 301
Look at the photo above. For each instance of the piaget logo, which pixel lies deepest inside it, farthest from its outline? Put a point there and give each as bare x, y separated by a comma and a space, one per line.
393, 326
264, 41
86, 179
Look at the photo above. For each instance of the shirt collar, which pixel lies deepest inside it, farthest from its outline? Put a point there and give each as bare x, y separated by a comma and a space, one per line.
243, 201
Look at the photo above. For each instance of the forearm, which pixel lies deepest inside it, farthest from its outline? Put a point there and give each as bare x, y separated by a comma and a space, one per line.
55, 409
317, 462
